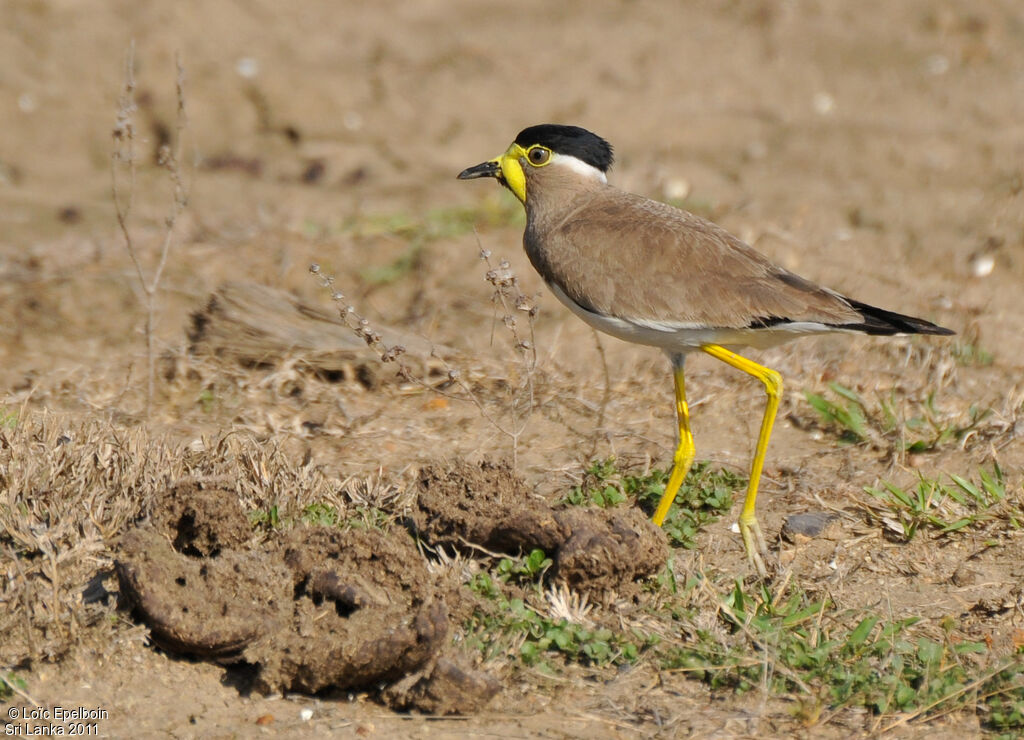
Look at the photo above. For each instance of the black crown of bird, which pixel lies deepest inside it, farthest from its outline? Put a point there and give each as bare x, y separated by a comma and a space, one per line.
649, 273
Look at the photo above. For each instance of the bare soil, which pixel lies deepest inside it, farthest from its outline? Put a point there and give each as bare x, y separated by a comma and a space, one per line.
873, 147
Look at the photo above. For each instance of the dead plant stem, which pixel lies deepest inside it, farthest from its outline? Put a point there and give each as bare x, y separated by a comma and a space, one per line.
123, 154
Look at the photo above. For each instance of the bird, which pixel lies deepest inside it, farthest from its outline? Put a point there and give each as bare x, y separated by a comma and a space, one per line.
650, 273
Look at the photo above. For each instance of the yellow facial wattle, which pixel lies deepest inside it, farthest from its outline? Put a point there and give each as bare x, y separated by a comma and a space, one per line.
512, 170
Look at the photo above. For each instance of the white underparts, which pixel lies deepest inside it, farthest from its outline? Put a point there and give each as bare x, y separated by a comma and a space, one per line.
676, 337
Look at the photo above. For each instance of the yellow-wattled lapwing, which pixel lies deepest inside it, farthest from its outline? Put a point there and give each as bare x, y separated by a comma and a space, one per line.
649, 273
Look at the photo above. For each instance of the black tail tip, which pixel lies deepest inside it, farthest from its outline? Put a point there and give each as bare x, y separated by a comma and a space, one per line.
882, 322
914, 325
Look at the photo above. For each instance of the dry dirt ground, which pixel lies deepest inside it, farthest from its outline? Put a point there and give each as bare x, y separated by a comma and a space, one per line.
875, 147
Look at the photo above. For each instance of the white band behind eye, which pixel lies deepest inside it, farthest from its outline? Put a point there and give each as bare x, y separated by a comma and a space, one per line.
578, 166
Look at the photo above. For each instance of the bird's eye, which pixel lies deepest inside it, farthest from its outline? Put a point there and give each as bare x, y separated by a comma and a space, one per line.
538, 155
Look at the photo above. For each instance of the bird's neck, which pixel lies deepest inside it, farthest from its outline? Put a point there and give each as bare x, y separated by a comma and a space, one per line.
553, 201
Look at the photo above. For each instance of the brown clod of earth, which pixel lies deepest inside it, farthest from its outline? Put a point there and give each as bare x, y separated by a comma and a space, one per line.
201, 521
461, 505
365, 611
207, 607
487, 505
320, 607
446, 688
605, 548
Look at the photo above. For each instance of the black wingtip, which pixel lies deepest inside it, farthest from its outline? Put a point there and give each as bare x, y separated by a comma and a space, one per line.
878, 321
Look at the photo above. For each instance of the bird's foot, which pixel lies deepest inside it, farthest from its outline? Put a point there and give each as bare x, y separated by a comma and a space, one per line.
754, 543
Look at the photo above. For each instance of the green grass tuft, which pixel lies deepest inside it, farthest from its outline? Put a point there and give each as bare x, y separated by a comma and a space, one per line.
523, 570
947, 507
970, 354
703, 497
845, 415
854, 421
417, 232
8, 419
789, 649
8, 683
511, 626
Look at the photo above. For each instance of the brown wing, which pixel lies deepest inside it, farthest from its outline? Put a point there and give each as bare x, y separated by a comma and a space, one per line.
626, 256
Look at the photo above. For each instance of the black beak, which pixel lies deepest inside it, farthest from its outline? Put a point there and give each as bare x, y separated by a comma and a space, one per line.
485, 169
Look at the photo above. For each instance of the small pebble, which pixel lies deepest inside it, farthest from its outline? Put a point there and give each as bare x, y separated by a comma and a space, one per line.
964, 576
676, 188
982, 264
824, 104
352, 121
806, 525
937, 64
27, 102
756, 150
247, 67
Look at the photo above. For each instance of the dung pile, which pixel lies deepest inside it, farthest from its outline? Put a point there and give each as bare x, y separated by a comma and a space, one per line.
594, 550
316, 608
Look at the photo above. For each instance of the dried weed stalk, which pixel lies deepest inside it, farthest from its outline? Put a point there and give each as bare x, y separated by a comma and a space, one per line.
123, 158
361, 326
510, 304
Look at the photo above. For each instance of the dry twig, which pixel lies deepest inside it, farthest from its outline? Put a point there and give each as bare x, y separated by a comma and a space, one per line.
123, 156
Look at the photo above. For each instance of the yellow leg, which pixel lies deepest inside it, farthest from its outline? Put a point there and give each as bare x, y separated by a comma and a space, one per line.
684, 452
753, 540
